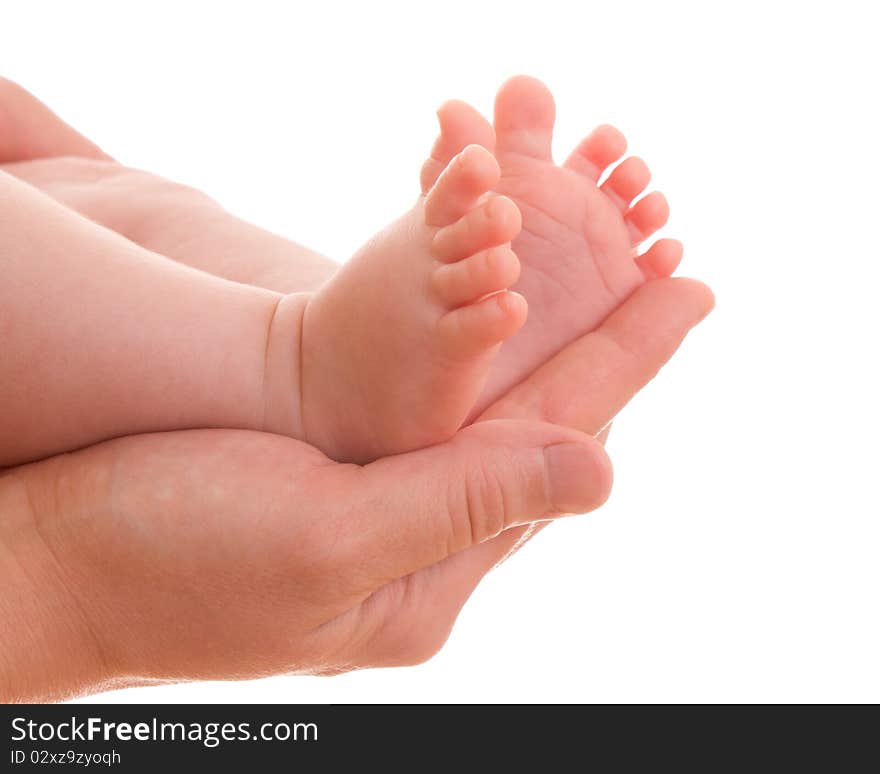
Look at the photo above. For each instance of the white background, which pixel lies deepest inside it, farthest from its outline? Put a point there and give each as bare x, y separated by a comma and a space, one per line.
738, 557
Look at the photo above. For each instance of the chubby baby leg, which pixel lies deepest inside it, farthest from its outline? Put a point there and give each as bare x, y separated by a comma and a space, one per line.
101, 338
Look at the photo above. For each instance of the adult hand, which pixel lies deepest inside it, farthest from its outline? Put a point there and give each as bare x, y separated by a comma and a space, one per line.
231, 554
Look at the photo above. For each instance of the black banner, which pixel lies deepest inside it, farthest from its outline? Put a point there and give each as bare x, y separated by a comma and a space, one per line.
135, 738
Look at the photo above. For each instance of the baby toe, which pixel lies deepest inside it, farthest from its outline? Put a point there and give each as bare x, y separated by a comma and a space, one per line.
647, 216
626, 182
469, 330
466, 178
493, 222
476, 276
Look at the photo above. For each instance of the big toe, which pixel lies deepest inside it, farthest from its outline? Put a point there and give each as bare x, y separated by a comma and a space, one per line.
524, 117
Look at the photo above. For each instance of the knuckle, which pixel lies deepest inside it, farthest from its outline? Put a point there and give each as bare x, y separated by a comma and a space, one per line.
484, 502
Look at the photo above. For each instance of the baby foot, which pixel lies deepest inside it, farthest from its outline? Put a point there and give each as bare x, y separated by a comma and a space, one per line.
579, 240
397, 346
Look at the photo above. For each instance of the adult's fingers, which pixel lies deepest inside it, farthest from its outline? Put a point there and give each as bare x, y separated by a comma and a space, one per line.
404, 513
29, 130
593, 378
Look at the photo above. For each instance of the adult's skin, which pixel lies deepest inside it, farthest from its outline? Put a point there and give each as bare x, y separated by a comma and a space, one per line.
230, 554
218, 554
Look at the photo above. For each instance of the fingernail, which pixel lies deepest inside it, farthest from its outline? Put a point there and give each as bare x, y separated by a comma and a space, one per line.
578, 476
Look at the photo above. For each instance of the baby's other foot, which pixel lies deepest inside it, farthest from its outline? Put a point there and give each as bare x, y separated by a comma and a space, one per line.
579, 240
397, 346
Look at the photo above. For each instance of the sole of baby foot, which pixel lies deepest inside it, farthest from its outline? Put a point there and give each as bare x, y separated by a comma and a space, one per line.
580, 240
397, 346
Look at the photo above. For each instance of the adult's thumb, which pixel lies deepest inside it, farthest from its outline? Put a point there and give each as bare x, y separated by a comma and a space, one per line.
408, 512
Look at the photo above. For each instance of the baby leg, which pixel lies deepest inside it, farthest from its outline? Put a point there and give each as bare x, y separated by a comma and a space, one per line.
101, 338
